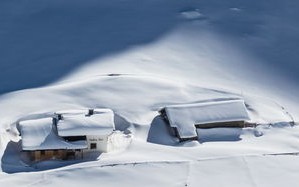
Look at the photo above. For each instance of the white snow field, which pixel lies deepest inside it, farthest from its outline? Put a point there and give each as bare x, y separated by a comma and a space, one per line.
136, 57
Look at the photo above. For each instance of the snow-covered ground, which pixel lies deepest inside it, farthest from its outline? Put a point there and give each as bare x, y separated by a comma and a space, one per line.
136, 57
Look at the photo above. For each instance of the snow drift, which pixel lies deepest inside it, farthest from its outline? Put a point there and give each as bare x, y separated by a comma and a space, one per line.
135, 57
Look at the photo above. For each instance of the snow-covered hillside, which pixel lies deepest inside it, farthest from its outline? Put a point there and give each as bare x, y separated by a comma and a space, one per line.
136, 57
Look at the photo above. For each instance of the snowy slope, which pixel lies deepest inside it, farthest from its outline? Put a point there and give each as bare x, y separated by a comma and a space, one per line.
137, 56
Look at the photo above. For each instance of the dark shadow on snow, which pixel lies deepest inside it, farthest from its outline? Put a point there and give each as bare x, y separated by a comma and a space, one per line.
121, 123
159, 133
42, 41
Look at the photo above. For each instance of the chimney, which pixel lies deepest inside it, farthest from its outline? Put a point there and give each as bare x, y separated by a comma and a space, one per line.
90, 112
59, 116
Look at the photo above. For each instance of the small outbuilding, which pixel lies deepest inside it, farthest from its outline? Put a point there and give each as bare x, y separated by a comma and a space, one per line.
185, 118
68, 135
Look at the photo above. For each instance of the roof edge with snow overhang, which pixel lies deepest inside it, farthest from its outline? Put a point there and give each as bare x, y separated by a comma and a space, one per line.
39, 134
48, 133
101, 122
185, 117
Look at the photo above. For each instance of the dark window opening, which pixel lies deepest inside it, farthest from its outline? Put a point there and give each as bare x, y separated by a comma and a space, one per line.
93, 146
43, 152
74, 138
59, 117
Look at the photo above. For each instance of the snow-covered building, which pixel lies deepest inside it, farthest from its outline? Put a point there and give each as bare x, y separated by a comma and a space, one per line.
95, 128
67, 135
185, 118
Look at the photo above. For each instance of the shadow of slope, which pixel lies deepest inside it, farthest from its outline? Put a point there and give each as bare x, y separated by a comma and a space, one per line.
41, 41
253, 24
159, 133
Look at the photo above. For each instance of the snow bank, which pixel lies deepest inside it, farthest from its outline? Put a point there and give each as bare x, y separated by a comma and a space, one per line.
230, 54
192, 14
118, 141
265, 111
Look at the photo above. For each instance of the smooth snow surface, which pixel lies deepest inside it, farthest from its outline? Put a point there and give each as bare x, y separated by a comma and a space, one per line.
185, 117
38, 134
136, 57
100, 123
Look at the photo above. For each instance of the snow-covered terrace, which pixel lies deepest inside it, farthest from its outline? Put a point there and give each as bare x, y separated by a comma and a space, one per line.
184, 117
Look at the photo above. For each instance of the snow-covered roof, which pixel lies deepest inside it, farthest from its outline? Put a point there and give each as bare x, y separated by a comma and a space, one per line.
100, 123
184, 117
71, 111
38, 134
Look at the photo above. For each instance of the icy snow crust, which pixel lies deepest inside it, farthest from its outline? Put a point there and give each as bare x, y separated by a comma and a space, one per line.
136, 57
100, 123
38, 134
185, 117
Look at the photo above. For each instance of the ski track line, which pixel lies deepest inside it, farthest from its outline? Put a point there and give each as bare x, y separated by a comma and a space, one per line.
69, 168
45, 173
251, 177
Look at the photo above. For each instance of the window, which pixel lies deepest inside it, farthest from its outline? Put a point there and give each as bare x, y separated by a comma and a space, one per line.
93, 146
74, 138
42, 152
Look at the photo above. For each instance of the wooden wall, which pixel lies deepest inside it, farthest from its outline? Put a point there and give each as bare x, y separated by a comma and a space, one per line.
40, 155
231, 124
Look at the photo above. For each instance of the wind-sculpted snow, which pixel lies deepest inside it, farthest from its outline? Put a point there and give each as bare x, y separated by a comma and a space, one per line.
136, 57
245, 171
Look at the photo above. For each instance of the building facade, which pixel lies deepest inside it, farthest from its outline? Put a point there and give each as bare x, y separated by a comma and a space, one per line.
67, 135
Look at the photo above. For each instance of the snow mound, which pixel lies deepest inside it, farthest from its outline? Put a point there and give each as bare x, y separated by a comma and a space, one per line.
118, 141
192, 14
265, 111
